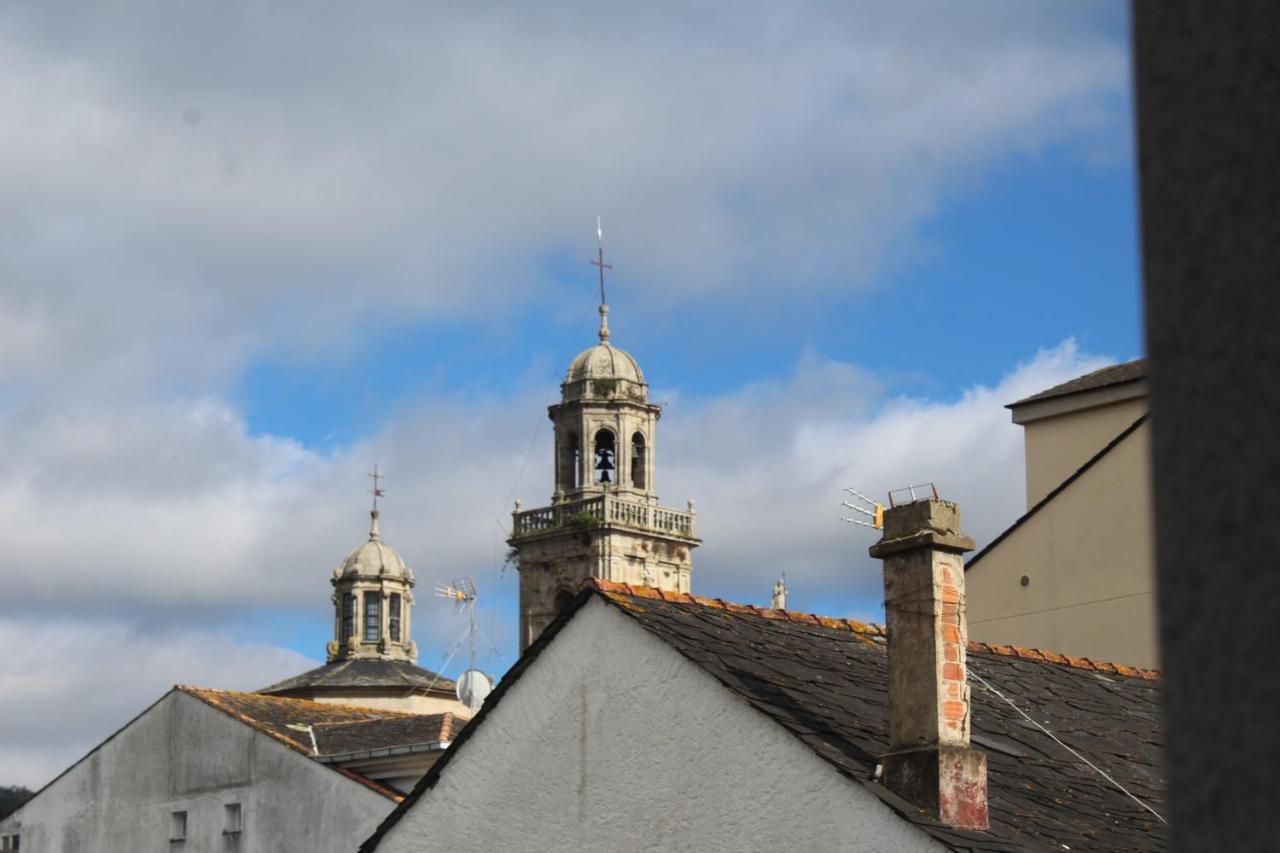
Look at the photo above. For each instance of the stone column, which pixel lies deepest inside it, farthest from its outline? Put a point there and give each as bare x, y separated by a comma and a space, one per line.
930, 762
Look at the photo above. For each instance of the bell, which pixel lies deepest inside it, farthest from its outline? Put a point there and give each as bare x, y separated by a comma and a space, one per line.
604, 476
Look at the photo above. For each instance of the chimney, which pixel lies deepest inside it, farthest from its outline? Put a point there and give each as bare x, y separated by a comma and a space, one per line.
930, 762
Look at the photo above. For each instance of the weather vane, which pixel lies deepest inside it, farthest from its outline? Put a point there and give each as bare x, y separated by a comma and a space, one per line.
376, 491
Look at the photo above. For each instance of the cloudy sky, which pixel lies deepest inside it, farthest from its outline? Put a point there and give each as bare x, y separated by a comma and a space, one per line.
248, 248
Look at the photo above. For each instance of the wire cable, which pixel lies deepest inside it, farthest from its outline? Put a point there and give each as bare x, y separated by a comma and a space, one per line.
1059, 742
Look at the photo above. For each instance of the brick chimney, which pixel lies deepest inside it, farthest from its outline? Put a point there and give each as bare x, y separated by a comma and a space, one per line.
930, 762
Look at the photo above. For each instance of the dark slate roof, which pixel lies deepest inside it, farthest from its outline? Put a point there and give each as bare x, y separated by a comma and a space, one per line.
1059, 489
364, 673
342, 738
339, 729
823, 680
1116, 374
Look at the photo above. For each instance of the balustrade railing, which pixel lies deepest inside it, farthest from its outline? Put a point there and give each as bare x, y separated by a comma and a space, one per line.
605, 508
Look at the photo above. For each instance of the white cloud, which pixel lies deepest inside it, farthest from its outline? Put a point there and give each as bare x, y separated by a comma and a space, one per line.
177, 513
188, 189
184, 188
67, 686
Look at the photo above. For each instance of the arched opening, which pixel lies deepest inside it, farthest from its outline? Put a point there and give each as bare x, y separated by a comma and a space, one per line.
570, 470
562, 601
605, 459
639, 460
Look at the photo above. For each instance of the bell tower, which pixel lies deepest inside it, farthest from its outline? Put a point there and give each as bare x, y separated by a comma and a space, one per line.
604, 520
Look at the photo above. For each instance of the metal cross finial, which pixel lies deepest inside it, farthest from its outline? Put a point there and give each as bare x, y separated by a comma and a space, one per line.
599, 262
376, 491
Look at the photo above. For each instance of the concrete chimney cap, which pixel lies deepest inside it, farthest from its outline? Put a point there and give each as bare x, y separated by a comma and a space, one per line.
922, 524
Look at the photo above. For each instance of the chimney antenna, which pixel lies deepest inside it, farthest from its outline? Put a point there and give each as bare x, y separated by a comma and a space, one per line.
866, 506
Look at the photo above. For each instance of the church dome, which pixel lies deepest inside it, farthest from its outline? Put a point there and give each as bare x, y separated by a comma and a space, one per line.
604, 361
374, 559
604, 372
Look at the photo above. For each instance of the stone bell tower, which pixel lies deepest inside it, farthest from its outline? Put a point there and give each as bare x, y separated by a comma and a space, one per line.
604, 520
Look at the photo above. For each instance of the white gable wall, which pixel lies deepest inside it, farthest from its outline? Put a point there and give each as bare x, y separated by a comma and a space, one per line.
182, 755
611, 740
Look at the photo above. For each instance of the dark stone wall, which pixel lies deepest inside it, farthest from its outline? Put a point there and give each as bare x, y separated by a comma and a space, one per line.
1208, 98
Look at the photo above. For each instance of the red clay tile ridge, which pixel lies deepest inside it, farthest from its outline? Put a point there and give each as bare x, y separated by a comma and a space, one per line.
615, 591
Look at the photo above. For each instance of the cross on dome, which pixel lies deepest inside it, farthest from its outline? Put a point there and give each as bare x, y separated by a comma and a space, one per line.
599, 262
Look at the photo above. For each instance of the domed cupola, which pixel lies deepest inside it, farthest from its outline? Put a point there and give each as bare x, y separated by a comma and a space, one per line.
373, 600
373, 559
604, 372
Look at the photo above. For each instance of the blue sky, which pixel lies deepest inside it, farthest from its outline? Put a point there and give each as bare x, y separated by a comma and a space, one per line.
248, 255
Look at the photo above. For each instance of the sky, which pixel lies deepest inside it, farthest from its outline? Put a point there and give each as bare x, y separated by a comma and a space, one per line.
248, 249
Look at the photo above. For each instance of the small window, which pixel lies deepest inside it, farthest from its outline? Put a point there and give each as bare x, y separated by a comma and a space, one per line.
570, 462
372, 616
348, 616
9, 842
178, 826
638, 461
233, 819
393, 617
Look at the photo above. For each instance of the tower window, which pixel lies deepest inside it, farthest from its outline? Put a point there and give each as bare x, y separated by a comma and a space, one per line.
393, 616
372, 616
178, 826
570, 476
562, 600
606, 468
638, 460
348, 616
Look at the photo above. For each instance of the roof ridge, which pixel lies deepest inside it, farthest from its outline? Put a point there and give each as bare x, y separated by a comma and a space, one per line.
271, 697
610, 588
1121, 373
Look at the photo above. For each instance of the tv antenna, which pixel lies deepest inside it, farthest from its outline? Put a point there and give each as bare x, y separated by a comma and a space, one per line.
473, 685
864, 506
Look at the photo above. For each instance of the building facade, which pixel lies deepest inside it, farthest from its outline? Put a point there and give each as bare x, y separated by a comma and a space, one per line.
1076, 573
604, 520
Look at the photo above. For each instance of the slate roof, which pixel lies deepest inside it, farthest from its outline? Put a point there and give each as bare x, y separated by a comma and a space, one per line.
824, 681
364, 673
339, 729
1116, 374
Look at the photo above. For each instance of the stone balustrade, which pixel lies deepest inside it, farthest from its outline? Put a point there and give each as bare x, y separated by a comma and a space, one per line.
607, 509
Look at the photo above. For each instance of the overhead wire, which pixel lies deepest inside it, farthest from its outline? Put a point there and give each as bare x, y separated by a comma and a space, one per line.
1104, 774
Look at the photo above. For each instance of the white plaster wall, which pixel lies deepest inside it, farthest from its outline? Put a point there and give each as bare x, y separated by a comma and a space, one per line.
182, 755
613, 741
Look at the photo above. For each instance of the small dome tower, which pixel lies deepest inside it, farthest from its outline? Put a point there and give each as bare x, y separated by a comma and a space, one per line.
371, 658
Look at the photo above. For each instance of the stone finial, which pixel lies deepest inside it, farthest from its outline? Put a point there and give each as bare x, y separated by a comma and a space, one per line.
374, 534
778, 601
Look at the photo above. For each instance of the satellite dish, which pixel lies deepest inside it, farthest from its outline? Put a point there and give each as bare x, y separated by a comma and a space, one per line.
473, 687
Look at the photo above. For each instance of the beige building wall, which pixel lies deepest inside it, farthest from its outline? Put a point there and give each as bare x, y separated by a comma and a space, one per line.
1062, 434
1088, 561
